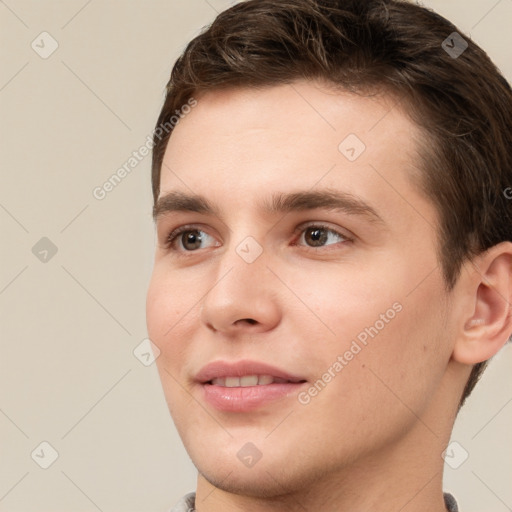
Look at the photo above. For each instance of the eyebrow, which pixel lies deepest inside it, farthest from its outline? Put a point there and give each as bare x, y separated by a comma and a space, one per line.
279, 203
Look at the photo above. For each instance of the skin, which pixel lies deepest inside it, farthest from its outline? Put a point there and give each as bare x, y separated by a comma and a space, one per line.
372, 439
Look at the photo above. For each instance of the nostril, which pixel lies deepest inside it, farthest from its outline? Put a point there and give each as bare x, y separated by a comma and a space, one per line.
250, 321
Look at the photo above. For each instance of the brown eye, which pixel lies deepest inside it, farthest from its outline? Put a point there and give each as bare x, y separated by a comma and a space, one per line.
191, 240
316, 235
188, 239
319, 236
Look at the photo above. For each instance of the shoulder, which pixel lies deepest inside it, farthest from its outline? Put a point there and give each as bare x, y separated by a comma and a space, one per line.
186, 504
451, 504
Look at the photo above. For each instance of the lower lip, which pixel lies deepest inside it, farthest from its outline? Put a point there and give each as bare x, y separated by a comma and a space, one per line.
242, 399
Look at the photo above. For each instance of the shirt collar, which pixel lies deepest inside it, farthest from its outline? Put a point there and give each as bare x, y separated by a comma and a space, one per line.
187, 503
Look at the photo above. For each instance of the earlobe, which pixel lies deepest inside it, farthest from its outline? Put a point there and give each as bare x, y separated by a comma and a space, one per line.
489, 323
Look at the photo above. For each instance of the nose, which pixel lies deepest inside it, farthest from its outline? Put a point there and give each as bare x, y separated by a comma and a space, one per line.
243, 298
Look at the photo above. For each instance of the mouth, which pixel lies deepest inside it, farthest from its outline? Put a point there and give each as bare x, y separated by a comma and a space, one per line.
250, 380
246, 385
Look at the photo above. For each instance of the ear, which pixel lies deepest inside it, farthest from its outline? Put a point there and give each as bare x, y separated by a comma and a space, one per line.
487, 322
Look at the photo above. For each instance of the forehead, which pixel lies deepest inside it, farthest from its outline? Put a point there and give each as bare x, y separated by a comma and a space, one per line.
241, 144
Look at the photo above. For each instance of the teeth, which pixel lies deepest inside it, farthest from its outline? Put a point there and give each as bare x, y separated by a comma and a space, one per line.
246, 380
249, 380
232, 382
265, 379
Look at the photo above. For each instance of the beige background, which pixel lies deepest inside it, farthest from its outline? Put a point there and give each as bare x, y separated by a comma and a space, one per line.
69, 325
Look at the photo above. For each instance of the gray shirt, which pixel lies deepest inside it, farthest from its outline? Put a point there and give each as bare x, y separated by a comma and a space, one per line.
187, 503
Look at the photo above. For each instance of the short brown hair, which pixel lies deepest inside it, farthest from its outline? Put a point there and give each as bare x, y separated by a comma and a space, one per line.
462, 102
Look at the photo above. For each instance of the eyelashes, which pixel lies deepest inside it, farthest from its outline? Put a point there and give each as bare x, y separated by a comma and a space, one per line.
319, 233
172, 238
315, 230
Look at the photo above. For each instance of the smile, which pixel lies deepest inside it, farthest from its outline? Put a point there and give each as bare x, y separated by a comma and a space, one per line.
247, 381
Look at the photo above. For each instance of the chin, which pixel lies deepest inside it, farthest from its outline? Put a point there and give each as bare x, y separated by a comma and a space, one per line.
276, 475
253, 482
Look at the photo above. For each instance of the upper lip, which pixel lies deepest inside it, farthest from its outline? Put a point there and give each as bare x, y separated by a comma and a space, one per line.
222, 369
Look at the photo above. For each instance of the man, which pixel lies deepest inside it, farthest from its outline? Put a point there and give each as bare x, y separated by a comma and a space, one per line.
334, 257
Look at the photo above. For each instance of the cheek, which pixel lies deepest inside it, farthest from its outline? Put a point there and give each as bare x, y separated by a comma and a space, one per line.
389, 340
167, 313
166, 303
350, 304
158, 307
166, 323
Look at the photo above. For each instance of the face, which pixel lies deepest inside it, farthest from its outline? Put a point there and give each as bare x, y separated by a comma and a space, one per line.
300, 311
